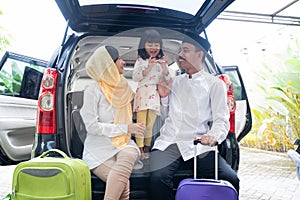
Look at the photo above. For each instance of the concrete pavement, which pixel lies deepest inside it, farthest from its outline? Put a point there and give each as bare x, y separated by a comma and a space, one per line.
267, 175
264, 175
5, 180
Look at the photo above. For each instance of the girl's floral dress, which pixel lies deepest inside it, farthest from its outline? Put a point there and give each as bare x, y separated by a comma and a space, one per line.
146, 96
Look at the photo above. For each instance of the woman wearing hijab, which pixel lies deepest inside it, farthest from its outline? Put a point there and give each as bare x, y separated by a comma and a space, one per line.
109, 150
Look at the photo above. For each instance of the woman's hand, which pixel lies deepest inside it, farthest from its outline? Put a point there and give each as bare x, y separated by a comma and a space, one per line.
137, 129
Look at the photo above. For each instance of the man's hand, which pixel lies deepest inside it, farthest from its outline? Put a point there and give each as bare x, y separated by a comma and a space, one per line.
164, 87
137, 129
209, 140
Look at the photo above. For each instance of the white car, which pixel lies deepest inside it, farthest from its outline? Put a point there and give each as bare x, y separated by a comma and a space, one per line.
20, 79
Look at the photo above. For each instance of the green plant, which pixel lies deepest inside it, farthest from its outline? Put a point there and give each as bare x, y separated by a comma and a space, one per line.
4, 37
276, 122
8, 197
10, 81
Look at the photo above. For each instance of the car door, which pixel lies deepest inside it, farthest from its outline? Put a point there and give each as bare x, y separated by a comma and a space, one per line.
20, 78
243, 117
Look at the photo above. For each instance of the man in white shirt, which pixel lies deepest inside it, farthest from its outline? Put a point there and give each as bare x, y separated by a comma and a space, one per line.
193, 104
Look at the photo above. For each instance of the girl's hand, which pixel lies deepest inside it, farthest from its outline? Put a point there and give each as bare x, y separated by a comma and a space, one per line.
151, 63
164, 64
163, 61
166, 59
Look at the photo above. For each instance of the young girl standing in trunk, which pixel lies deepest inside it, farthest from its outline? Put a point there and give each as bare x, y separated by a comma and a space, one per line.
150, 66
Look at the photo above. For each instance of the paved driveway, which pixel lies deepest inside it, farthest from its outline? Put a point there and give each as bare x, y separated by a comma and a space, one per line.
264, 176
267, 175
5, 180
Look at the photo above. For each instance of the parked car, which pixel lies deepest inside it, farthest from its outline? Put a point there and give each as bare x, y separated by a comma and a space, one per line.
20, 80
91, 24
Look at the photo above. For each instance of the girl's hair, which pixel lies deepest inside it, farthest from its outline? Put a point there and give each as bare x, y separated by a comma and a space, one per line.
151, 36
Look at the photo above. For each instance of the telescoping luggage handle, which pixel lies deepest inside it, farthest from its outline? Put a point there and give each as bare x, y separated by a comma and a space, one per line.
197, 141
60, 152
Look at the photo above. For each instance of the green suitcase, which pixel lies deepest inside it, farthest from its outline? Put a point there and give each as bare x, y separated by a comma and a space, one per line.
52, 178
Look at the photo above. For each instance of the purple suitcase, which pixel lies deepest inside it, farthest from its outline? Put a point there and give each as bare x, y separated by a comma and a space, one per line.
205, 189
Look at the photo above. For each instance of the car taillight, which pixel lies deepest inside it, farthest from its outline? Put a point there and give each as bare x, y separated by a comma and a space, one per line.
46, 123
231, 102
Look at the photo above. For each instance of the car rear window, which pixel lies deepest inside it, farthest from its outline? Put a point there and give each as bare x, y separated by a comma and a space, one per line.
191, 7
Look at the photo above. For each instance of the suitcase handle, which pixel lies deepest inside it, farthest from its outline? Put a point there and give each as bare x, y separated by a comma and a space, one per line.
197, 141
60, 152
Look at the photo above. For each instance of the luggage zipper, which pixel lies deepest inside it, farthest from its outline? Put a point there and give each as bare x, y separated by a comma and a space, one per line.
13, 194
